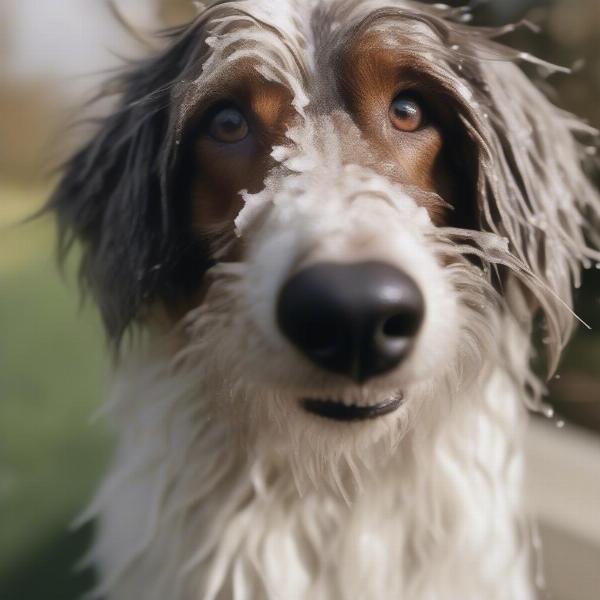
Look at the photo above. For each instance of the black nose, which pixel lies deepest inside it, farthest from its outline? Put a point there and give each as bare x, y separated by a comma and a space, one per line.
358, 319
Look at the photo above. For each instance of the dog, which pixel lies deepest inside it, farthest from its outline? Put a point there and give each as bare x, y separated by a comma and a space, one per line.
324, 236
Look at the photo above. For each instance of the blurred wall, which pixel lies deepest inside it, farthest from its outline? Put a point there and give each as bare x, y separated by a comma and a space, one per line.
53, 56
574, 29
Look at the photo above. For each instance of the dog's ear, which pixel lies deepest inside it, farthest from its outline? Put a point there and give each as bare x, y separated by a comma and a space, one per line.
532, 186
115, 193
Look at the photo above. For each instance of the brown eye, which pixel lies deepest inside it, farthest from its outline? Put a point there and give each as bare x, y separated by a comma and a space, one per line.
228, 126
406, 113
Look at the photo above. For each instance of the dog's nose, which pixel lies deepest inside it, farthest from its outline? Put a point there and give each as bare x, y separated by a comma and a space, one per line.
358, 319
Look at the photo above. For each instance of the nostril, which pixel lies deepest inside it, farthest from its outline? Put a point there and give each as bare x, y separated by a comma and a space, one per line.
401, 325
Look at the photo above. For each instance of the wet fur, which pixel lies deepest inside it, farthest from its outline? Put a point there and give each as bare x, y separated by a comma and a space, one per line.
222, 487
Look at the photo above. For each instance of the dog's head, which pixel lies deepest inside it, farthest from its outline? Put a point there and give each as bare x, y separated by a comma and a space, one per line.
355, 207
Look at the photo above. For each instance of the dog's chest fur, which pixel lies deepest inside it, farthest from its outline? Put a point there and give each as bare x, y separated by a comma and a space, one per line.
185, 514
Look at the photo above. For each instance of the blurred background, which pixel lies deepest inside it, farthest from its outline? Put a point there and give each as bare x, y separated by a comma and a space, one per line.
53, 54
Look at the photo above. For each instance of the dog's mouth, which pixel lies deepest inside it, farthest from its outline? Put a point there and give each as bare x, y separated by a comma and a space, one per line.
338, 411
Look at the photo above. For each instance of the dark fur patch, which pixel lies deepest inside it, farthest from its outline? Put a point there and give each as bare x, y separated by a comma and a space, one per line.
121, 196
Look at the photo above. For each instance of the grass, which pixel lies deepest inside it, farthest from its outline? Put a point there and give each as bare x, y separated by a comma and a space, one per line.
51, 365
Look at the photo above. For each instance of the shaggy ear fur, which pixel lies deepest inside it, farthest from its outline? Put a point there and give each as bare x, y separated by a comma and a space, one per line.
118, 194
534, 191
532, 188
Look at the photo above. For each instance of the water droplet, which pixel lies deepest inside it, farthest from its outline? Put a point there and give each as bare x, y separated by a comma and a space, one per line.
548, 412
591, 150
455, 47
598, 266
557, 376
560, 423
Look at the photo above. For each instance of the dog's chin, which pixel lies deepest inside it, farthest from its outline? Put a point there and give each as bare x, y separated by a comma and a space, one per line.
327, 438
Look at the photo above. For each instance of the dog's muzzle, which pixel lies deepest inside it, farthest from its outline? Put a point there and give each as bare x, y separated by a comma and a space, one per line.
359, 320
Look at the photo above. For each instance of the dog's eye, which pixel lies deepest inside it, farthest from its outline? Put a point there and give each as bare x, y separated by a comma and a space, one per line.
228, 125
406, 113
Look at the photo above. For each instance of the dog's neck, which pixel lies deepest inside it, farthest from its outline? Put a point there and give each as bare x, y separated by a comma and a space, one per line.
209, 516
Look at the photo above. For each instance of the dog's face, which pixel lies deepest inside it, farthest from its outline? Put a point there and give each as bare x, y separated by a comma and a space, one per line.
347, 204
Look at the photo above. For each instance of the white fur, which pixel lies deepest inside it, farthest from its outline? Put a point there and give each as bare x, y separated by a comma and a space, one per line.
223, 488
188, 512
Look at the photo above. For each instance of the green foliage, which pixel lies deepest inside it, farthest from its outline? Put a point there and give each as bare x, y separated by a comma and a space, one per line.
51, 365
